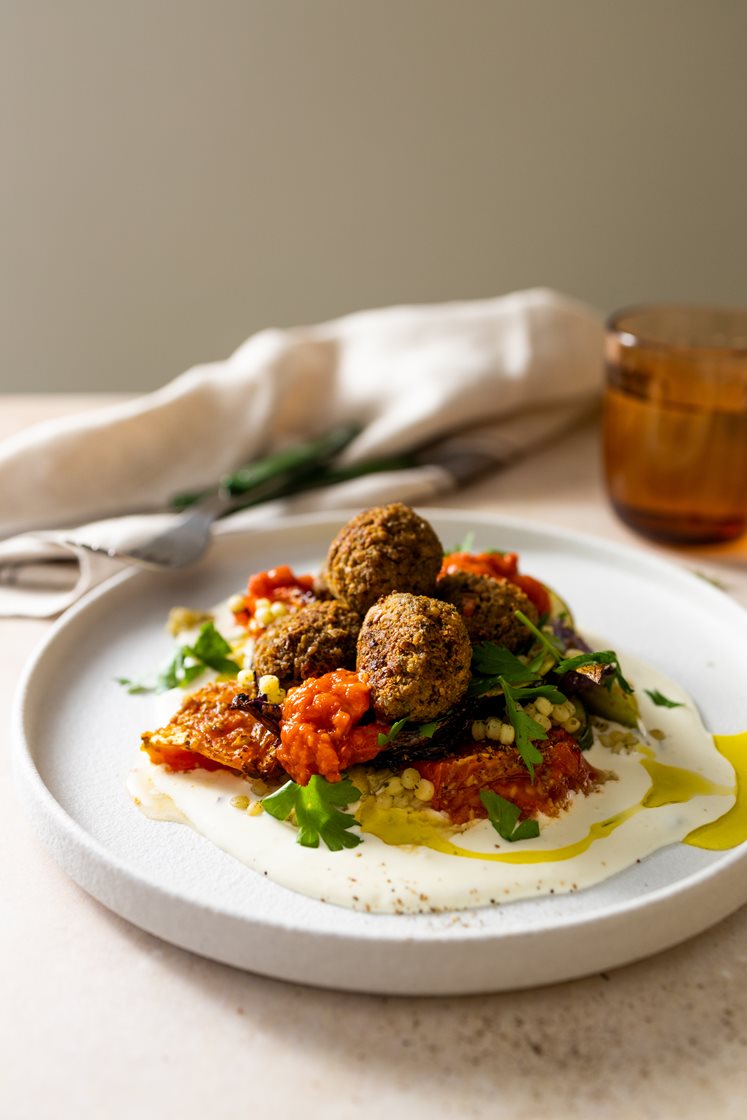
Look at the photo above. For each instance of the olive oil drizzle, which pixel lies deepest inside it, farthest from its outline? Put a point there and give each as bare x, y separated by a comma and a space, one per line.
730, 829
669, 785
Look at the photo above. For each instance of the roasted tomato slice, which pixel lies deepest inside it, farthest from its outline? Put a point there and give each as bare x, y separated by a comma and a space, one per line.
211, 733
458, 780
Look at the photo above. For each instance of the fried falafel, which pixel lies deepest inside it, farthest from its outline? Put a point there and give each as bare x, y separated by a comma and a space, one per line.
310, 642
487, 606
414, 653
388, 548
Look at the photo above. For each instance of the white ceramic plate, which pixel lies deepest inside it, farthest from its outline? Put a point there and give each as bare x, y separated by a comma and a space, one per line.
77, 734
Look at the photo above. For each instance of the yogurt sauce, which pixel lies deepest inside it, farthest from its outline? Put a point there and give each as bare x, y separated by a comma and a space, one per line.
671, 790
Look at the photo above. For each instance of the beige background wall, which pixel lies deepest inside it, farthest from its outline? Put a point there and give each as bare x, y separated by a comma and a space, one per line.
179, 173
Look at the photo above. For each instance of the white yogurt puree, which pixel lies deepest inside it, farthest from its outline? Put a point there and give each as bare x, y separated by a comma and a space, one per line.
661, 794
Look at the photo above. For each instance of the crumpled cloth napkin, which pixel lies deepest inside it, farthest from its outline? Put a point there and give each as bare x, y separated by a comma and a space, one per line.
502, 375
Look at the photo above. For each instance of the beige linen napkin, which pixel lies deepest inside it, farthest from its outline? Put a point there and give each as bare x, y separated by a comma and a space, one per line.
500, 376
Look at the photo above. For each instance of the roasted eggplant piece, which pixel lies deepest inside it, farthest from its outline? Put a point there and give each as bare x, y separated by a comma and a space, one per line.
601, 694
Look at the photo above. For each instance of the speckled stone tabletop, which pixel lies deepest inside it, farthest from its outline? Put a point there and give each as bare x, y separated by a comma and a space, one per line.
98, 1019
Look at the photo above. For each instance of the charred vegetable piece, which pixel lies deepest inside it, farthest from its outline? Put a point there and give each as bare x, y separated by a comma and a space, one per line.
610, 702
597, 679
416, 742
208, 725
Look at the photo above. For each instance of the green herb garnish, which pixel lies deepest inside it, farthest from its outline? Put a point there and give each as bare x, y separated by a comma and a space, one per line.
661, 700
549, 643
209, 651
504, 816
525, 728
428, 730
315, 807
490, 662
598, 657
384, 739
465, 545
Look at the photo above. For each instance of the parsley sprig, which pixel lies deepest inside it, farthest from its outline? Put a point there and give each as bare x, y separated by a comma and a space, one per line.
550, 644
490, 662
316, 808
598, 657
504, 817
208, 651
661, 700
496, 667
526, 728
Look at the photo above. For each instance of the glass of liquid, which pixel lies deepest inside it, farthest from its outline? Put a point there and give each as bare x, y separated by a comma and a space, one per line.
675, 421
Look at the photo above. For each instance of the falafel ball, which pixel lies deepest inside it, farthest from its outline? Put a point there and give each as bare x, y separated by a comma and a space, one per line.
310, 642
487, 606
388, 548
415, 653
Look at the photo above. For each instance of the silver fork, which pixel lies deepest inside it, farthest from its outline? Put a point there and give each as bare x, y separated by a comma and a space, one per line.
187, 539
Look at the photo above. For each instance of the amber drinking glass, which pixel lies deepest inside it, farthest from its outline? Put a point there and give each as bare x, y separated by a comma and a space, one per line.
675, 421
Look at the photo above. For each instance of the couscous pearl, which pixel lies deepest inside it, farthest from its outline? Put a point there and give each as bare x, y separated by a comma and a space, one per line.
507, 734
410, 778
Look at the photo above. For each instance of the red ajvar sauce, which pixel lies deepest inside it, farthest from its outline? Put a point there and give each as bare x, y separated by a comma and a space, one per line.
459, 778
319, 730
498, 565
279, 585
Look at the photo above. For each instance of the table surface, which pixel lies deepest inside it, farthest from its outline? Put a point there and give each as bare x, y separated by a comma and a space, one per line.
101, 1019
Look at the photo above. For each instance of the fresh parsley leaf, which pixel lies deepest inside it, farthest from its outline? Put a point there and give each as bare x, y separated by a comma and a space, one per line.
465, 545
525, 728
315, 807
212, 649
504, 816
661, 700
428, 730
553, 694
133, 687
209, 651
491, 660
180, 671
392, 733
549, 643
598, 657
